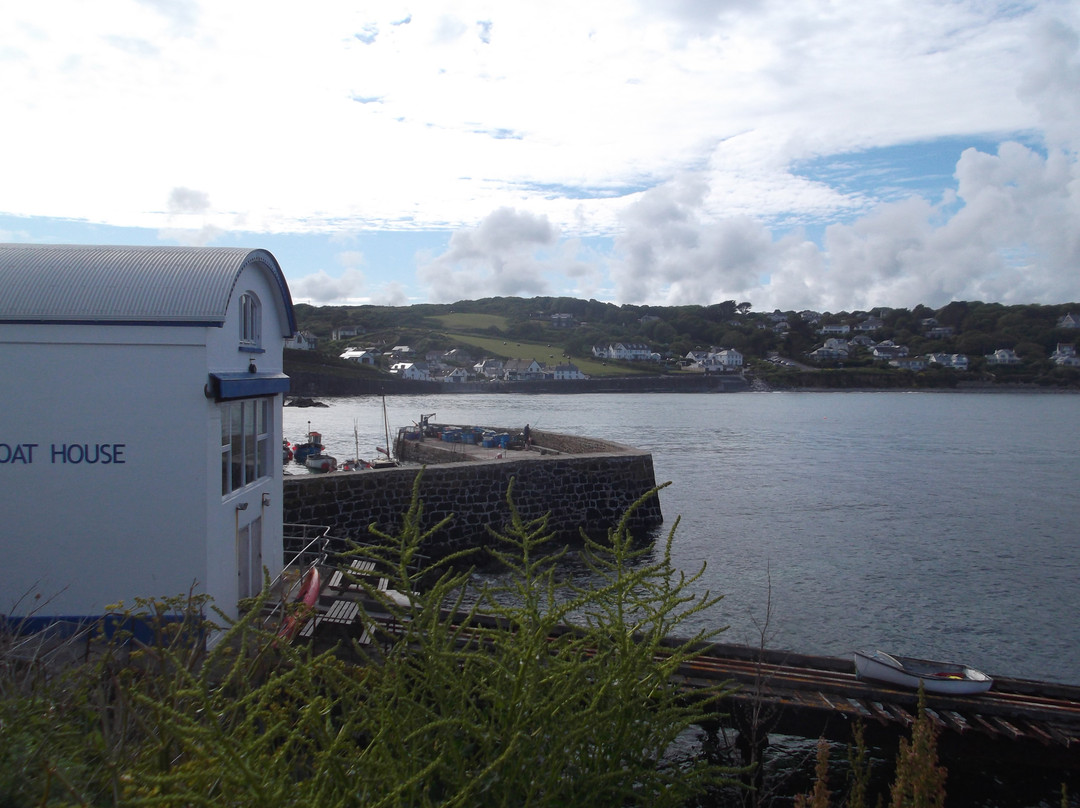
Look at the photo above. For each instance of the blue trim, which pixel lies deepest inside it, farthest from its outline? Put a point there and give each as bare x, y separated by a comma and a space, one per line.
251, 349
227, 386
143, 628
62, 626
268, 259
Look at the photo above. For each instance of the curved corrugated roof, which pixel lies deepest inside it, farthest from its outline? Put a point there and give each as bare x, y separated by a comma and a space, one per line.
54, 283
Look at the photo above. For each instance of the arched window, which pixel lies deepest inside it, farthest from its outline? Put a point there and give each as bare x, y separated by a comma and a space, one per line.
250, 321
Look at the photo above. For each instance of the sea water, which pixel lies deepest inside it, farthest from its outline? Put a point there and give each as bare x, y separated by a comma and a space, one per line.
940, 525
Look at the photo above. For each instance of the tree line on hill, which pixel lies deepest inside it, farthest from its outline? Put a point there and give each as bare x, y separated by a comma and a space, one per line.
972, 328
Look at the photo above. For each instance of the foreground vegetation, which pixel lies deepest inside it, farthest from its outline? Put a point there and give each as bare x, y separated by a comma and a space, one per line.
438, 715
434, 714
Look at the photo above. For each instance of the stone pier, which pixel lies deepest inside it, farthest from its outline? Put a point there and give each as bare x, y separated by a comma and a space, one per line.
582, 482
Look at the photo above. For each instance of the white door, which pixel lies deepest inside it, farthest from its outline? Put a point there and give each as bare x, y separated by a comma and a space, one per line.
249, 558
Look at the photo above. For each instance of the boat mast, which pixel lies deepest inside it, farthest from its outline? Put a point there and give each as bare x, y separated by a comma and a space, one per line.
386, 426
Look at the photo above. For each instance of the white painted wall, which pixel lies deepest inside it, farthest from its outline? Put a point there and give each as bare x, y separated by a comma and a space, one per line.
82, 535
78, 536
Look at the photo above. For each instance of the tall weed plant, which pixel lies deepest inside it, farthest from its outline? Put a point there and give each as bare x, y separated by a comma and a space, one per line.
495, 702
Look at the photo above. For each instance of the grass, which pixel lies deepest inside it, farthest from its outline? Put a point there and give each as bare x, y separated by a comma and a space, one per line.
549, 354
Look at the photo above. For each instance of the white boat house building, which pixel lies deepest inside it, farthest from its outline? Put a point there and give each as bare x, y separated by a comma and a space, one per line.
140, 435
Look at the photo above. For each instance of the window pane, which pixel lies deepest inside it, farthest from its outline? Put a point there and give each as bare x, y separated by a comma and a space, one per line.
226, 424
262, 454
249, 441
237, 443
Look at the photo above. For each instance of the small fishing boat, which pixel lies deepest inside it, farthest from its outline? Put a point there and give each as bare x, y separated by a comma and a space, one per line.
321, 462
313, 445
909, 672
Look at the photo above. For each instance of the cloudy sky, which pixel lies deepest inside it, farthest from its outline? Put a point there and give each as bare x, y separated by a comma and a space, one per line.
830, 154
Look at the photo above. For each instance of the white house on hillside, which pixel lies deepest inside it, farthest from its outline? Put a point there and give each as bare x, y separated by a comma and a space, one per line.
346, 332
1003, 356
626, 351
141, 445
951, 361
302, 341
1070, 320
520, 370
411, 370
1065, 355
568, 371
489, 368
363, 356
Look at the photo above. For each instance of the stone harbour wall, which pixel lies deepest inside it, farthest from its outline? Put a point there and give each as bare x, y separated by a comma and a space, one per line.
582, 491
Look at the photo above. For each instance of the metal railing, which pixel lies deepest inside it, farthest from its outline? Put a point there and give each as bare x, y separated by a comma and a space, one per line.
305, 546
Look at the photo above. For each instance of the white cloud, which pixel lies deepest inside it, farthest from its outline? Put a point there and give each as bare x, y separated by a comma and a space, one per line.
321, 288
674, 129
510, 252
1013, 236
1052, 83
188, 200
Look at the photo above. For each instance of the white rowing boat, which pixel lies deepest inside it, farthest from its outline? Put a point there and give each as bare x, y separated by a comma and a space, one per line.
935, 677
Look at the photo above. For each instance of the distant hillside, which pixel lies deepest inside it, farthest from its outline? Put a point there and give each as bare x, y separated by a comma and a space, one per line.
564, 330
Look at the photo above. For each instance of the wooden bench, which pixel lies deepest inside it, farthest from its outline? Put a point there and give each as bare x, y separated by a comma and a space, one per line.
343, 614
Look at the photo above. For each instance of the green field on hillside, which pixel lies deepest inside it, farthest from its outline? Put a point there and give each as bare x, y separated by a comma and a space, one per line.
546, 354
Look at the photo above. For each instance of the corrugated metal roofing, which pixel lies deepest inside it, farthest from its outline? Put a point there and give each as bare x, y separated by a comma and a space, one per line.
53, 283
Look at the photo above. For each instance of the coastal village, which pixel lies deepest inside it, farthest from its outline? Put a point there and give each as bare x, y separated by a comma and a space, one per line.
859, 339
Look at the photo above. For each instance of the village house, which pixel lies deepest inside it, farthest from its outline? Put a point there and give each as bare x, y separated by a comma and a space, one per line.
1070, 320
835, 328
520, 370
950, 361
716, 359
1003, 356
346, 332
456, 376
940, 332
889, 350
362, 356
625, 351
1065, 355
561, 320
567, 372
302, 341
489, 368
870, 324
825, 353
458, 356
913, 363
413, 371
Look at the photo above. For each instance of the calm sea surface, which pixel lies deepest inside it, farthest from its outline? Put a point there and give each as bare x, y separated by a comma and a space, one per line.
942, 525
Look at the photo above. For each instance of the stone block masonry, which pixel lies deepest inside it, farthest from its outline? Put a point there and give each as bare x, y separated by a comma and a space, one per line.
590, 491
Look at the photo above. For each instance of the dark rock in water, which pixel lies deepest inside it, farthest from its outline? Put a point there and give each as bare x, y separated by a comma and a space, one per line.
300, 401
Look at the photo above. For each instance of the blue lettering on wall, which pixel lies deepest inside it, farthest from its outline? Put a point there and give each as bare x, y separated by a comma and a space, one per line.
74, 454
17, 453
88, 453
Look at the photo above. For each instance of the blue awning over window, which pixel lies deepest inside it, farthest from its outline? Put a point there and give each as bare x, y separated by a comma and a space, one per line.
226, 386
